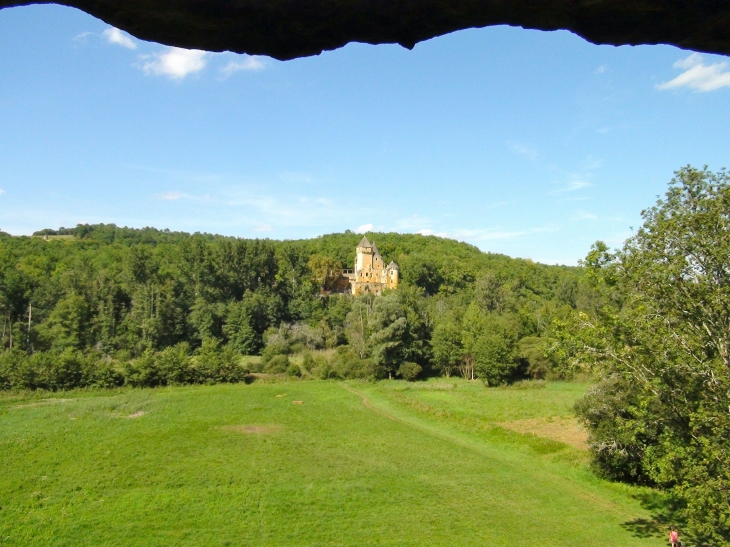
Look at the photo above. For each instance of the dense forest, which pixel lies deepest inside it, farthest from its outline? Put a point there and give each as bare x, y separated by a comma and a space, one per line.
103, 305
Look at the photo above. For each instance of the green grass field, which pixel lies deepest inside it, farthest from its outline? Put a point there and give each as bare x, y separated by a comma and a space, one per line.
354, 464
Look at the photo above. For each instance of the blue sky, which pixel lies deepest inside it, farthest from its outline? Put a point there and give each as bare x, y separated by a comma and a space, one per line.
526, 143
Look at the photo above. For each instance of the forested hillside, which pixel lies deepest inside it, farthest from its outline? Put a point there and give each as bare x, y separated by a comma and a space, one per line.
103, 305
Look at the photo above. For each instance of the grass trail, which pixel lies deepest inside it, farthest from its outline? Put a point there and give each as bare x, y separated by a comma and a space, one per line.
372, 464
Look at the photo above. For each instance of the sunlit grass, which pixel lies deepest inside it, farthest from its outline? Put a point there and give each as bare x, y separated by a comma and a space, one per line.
410, 464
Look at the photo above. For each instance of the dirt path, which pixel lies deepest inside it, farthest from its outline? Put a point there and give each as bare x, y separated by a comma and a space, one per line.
451, 438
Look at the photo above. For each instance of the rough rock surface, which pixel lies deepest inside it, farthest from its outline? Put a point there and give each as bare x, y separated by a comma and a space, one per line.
286, 29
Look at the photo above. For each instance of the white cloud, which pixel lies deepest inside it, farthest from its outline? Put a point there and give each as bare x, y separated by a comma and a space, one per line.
698, 76
688, 62
263, 228
249, 62
364, 228
116, 36
175, 62
81, 37
2, 192
601, 69
427, 232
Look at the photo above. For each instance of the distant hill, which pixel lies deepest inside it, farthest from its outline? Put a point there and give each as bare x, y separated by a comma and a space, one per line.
148, 306
431, 262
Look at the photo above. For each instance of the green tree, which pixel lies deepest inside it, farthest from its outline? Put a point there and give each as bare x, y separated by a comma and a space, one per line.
664, 335
388, 325
448, 350
325, 271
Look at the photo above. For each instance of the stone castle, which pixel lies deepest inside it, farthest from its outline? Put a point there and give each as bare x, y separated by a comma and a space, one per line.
370, 274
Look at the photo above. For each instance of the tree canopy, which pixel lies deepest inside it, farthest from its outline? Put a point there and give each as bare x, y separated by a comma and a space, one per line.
117, 296
661, 345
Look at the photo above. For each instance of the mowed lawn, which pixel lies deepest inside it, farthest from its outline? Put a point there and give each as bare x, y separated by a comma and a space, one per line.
353, 464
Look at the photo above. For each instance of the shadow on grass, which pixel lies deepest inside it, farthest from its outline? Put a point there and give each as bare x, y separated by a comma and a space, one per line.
666, 512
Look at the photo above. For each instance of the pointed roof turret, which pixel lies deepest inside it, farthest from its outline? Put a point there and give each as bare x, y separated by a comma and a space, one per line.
392, 266
365, 243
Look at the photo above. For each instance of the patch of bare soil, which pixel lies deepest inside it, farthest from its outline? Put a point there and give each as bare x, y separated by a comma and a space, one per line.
281, 395
137, 414
564, 430
253, 429
44, 402
297, 402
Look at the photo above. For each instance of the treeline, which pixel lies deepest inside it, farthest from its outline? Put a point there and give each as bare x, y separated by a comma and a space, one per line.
116, 299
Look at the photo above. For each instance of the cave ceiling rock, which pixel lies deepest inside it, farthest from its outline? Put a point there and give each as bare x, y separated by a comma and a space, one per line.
287, 29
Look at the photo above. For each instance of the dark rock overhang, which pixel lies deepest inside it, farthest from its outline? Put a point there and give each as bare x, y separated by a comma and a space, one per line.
285, 29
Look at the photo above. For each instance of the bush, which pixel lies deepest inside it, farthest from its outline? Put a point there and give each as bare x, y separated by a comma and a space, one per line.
532, 353
278, 364
213, 364
346, 364
323, 369
294, 370
308, 361
143, 371
609, 411
104, 374
174, 364
409, 371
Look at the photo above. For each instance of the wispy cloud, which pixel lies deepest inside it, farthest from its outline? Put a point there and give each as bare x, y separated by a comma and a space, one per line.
263, 228
82, 36
247, 63
188, 176
583, 215
172, 196
364, 228
116, 36
527, 150
601, 69
491, 234
175, 63
175, 195
2, 191
572, 186
698, 76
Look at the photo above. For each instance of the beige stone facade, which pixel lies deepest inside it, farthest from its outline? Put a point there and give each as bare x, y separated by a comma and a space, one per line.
370, 274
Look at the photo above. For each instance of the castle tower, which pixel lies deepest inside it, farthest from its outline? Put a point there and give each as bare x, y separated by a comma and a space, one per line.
370, 273
364, 255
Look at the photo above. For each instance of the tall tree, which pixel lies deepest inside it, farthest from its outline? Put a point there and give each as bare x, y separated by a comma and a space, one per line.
663, 350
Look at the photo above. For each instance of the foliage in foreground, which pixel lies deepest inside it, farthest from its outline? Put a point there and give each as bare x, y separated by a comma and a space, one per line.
661, 412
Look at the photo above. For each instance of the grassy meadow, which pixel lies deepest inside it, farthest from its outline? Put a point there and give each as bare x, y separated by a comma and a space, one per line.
444, 462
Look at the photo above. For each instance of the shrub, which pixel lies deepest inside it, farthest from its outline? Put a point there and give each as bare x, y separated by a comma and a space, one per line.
609, 411
272, 351
294, 370
323, 369
409, 371
346, 364
278, 364
174, 364
213, 364
143, 371
308, 361
103, 373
